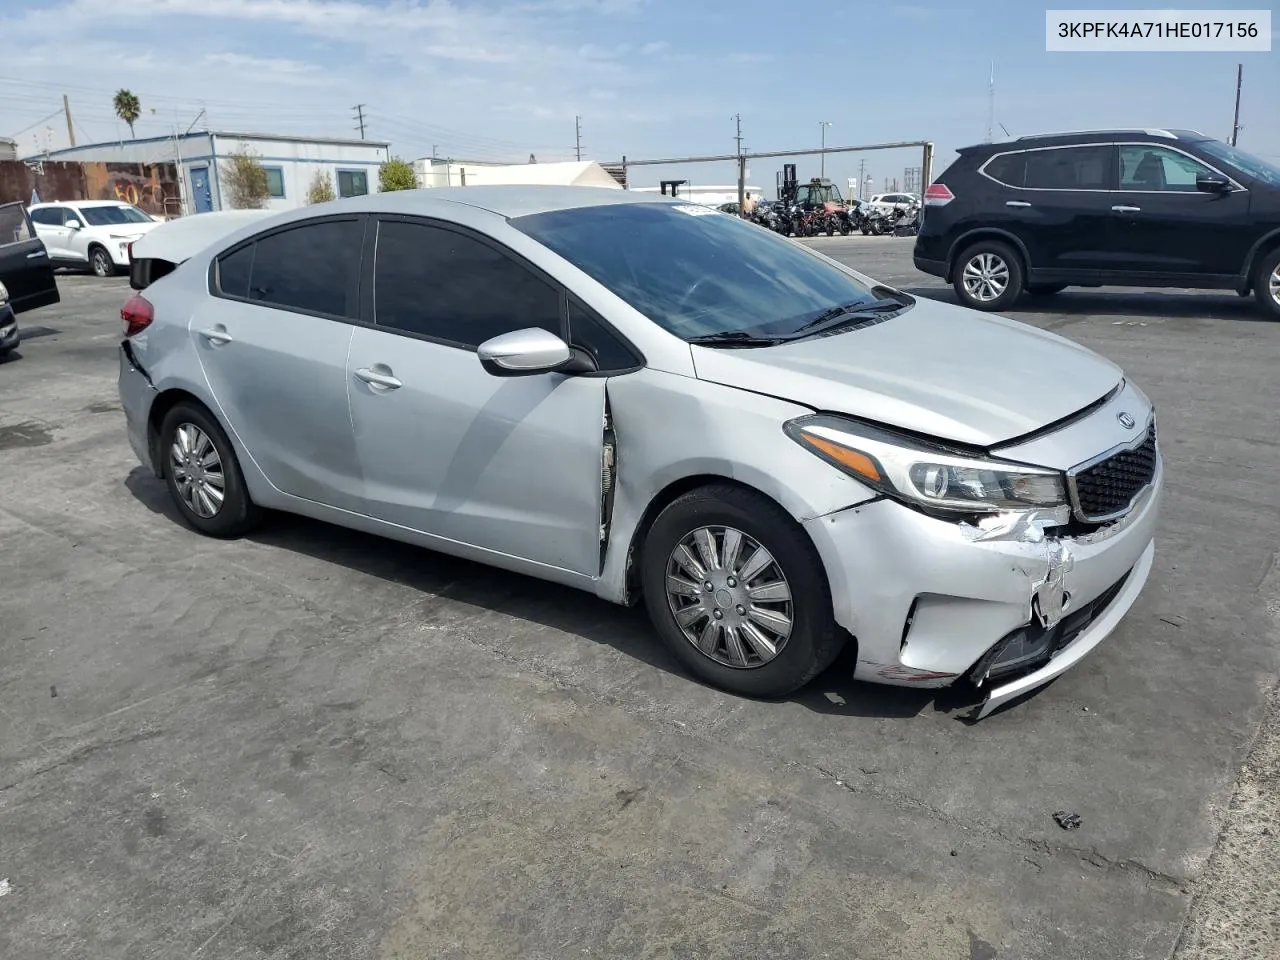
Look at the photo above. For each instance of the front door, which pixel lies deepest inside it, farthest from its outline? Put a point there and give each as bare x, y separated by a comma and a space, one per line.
507, 464
1063, 209
201, 195
273, 345
25, 269
1161, 224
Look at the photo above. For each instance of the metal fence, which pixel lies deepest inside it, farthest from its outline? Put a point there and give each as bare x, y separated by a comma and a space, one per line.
153, 187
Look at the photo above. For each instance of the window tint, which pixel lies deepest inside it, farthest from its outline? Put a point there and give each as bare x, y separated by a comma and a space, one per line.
233, 272
352, 183
1068, 168
50, 216
13, 224
606, 348
275, 182
1157, 168
445, 285
111, 216
1009, 169
313, 267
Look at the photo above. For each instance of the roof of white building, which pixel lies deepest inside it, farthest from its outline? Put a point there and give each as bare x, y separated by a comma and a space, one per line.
571, 173
226, 135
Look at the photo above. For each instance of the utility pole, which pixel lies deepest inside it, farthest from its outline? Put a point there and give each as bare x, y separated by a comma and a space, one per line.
359, 117
822, 125
991, 103
1235, 124
577, 134
742, 166
862, 175
71, 132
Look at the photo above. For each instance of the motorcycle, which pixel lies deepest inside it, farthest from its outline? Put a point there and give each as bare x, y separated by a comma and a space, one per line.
908, 224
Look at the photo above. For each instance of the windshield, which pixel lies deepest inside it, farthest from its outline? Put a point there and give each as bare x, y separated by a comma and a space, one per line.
696, 272
1246, 163
108, 216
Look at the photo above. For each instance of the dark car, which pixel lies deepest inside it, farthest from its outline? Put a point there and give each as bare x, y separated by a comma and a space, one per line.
1146, 208
26, 274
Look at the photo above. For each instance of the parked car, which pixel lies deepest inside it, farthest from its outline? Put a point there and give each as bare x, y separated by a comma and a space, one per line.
1148, 208
90, 233
646, 399
904, 202
26, 276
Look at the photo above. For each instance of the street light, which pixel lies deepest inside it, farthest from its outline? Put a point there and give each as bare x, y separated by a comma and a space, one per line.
822, 125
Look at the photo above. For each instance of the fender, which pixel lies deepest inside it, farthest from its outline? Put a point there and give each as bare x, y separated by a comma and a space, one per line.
982, 233
1255, 252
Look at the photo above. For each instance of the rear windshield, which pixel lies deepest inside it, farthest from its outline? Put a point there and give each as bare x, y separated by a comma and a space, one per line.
695, 271
109, 216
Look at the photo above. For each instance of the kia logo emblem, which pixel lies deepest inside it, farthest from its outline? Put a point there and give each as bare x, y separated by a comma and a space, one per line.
1126, 421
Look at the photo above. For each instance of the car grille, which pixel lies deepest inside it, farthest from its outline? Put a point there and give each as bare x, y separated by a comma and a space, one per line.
1105, 490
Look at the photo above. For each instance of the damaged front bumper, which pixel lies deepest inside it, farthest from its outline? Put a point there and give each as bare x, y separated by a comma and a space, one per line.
1004, 604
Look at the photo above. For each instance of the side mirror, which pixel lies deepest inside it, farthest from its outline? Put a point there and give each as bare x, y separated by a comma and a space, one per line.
73, 225
1212, 183
523, 353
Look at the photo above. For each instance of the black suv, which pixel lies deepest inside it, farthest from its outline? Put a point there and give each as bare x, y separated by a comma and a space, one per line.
1146, 208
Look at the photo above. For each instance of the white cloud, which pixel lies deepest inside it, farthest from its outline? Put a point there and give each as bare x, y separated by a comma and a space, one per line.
656, 46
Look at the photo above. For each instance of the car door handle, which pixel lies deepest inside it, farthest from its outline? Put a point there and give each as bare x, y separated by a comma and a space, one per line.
217, 336
1123, 209
376, 379
36, 255
1016, 203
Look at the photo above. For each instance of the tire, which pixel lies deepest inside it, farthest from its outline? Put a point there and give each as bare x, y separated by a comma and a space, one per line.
738, 662
100, 262
997, 261
1266, 287
236, 514
831, 229
1044, 289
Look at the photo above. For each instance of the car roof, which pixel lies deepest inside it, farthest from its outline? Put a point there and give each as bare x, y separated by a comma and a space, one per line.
80, 203
1083, 137
507, 200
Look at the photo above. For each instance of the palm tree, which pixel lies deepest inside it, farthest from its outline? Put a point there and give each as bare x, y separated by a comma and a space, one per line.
127, 107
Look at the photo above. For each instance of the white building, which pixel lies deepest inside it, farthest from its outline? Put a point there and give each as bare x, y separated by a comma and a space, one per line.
711, 195
291, 163
435, 172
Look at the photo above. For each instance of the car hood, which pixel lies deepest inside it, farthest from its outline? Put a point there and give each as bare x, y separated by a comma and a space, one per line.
936, 369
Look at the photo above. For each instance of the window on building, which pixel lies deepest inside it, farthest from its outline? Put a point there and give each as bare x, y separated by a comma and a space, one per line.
448, 286
1069, 168
353, 183
313, 267
275, 182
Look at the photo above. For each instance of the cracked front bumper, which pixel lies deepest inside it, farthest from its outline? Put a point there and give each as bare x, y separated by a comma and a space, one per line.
928, 600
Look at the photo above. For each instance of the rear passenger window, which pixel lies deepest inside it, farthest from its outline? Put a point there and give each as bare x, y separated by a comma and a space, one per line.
233, 272
606, 348
448, 286
1068, 168
1009, 169
313, 268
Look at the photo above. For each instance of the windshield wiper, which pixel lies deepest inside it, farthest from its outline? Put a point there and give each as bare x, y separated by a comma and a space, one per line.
734, 338
849, 311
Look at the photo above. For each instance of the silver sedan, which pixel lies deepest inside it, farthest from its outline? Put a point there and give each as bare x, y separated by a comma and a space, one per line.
653, 401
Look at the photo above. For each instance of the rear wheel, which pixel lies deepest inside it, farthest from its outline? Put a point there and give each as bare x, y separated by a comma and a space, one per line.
100, 262
1267, 287
988, 276
203, 474
737, 592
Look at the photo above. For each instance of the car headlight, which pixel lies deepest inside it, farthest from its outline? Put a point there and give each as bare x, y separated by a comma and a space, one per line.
4, 295
925, 474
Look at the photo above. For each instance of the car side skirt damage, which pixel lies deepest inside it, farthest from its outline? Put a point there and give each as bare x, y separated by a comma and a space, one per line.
608, 480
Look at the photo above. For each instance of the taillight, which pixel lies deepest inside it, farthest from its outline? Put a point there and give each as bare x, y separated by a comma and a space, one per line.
137, 314
938, 195
129, 249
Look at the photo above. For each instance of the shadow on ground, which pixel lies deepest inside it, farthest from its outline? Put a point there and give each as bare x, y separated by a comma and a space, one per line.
570, 611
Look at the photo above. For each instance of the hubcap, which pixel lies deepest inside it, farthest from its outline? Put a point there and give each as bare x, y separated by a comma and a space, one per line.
197, 471
986, 276
730, 598
100, 263
1273, 284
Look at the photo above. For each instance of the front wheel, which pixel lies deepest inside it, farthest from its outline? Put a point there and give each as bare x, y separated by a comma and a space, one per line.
988, 276
203, 474
1267, 287
735, 589
100, 263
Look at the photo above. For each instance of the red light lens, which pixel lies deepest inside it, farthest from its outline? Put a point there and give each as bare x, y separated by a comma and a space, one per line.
137, 314
129, 250
938, 194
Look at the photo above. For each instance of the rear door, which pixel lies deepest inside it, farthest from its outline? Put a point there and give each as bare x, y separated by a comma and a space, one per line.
273, 339
49, 226
1161, 224
25, 269
1059, 205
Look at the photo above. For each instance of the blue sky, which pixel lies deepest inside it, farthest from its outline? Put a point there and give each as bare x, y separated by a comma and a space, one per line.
498, 79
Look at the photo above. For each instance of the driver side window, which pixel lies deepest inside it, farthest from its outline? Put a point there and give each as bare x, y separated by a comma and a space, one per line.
1148, 167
